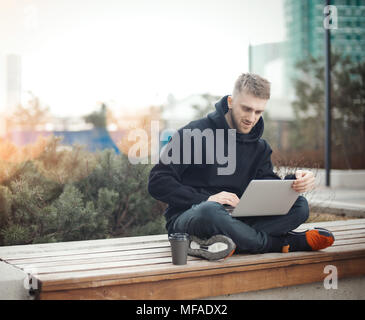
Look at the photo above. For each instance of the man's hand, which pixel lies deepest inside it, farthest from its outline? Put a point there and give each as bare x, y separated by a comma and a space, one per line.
225, 198
305, 181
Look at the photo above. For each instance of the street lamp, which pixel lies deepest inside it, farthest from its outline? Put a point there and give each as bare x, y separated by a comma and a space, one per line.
327, 98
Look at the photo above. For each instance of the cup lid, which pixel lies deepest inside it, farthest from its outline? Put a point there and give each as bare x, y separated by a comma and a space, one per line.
179, 236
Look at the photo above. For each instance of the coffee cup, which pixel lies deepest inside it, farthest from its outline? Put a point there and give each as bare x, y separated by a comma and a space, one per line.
179, 247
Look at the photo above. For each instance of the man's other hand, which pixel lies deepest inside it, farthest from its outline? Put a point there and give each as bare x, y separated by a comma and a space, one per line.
225, 198
304, 182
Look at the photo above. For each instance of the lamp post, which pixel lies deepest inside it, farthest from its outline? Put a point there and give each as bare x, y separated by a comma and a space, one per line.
328, 102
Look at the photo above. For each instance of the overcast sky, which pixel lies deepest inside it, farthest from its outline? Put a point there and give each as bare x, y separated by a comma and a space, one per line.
78, 52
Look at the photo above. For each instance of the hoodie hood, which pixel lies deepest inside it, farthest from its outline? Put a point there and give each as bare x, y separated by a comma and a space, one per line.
221, 123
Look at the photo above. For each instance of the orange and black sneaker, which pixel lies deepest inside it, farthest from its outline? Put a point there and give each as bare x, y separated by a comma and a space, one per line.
310, 240
319, 238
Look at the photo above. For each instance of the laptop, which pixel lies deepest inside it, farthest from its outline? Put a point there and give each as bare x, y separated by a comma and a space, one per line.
265, 198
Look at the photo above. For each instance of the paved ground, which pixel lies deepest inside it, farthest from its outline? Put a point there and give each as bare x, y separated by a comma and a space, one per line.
347, 200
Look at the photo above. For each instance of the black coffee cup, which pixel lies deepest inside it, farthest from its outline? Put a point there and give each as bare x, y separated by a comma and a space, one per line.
179, 247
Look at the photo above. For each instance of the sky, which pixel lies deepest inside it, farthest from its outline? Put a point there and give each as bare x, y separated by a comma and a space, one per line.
132, 54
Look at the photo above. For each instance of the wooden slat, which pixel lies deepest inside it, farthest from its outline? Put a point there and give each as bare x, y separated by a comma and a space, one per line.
334, 223
97, 260
346, 242
79, 245
350, 235
335, 227
102, 266
104, 256
348, 232
125, 247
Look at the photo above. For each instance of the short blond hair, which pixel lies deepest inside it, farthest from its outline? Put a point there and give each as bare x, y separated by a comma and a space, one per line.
252, 84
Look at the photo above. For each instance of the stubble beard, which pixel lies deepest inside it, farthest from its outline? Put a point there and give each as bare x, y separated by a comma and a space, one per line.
236, 123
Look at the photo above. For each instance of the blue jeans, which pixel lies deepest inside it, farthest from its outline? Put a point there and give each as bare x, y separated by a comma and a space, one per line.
250, 234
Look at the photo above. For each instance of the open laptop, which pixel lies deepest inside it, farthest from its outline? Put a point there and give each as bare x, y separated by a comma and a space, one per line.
265, 198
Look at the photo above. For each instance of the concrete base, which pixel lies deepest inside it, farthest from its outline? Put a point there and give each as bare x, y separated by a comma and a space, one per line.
354, 179
13, 283
347, 289
343, 212
343, 178
343, 201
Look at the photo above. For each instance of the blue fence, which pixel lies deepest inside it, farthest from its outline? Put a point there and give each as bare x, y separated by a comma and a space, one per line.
93, 140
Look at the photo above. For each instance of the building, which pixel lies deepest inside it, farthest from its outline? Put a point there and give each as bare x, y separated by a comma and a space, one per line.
2, 84
305, 30
13, 80
269, 61
304, 37
10, 87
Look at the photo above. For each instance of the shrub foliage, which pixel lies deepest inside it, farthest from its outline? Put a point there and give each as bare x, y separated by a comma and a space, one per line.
66, 195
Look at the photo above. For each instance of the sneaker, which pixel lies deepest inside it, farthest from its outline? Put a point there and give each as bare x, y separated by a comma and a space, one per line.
310, 240
319, 238
214, 248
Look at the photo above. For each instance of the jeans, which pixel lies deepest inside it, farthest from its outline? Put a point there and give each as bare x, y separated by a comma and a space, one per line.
250, 234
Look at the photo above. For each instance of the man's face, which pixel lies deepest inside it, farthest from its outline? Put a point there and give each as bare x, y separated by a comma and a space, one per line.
246, 110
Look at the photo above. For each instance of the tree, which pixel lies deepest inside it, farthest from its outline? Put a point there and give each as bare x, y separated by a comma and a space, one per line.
119, 190
348, 109
65, 195
203, 109
98, 118
31, 116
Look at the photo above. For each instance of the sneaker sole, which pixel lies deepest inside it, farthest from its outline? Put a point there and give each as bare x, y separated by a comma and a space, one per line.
211, 250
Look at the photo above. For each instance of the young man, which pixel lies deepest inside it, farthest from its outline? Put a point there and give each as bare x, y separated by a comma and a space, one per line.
197, 192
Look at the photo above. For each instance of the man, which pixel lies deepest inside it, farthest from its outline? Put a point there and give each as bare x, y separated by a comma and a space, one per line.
197, 194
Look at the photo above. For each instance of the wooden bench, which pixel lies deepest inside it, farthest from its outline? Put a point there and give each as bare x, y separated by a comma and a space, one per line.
141, 268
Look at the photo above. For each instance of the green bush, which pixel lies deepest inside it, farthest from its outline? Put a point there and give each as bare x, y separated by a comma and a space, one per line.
75, 195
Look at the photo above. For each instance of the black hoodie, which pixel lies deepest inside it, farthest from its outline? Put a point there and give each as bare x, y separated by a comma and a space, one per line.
183, 185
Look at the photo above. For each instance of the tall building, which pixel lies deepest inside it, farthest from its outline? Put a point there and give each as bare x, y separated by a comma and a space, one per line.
304, 37
13, 80
2, 83
2, 97
10, 87
305, 30
268, 60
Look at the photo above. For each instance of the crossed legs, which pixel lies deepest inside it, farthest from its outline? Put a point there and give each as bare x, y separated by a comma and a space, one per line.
250, 234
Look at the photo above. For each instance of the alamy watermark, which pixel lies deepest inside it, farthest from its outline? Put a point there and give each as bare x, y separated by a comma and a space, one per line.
330, 281
187, 146
330, 20
30, 282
